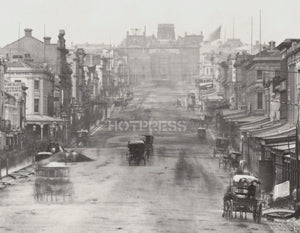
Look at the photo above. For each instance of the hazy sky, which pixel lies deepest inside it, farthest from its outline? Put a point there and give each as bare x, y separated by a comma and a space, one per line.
98, 21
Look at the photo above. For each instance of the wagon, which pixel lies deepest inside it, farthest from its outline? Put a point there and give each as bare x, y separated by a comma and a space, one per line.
235, 158
230, 160
202, 134
221, 146
224, 161
52, 183
82, 138
136, 153
242, 198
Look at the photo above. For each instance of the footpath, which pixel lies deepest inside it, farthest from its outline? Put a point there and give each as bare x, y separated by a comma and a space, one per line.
278, 225
99, 124
11, 174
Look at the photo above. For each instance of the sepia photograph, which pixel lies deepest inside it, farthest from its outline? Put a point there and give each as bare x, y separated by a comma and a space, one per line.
149, 116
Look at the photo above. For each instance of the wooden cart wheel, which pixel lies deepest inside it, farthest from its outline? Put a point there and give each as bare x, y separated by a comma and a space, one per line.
231, 209
254, 211
142, 161
131, 161
259, 213
224, 209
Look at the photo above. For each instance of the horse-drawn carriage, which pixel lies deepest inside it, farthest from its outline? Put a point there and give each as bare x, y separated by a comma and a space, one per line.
139, 150
243, 196
221, 146
230, 160
52, 183
201, 134
82, 138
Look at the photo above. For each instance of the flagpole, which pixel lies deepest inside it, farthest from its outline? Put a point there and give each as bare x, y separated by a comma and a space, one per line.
233, 29
260, 30
251, 34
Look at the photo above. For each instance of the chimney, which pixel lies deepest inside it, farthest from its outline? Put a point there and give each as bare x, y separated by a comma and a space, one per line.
28, 32
47, 40
272, 45
62, 32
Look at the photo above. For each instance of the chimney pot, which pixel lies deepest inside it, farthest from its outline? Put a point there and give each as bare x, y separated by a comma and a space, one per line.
47, 40
62, 32
272, 45
28, 31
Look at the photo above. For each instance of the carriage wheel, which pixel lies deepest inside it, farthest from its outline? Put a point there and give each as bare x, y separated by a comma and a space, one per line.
254, 213
230, 210
142, 161
259, 213
131, 161
225, 209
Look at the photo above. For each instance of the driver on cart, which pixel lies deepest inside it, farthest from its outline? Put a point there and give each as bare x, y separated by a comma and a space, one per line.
251, 191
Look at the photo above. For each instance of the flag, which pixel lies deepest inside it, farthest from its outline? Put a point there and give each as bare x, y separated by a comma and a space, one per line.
215, 35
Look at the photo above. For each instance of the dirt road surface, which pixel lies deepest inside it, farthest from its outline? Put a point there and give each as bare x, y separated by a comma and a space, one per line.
179, 190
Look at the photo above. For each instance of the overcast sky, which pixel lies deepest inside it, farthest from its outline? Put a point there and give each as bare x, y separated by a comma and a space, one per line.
106, 21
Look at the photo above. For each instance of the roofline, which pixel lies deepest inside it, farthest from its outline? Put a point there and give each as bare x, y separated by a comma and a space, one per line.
23, 38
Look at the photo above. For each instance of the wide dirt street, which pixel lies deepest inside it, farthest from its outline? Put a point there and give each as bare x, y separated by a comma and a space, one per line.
179, 190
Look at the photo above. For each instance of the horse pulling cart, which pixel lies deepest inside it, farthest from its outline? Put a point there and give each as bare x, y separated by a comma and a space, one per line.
140, 150
221, 146
136, 152
230, 160
242, 196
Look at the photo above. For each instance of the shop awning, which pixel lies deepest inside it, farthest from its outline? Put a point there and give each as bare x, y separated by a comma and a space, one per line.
255, 124
265, 127
211, 96
284, 146
284, 135
248, 119
42, 119
276, 131
231, 112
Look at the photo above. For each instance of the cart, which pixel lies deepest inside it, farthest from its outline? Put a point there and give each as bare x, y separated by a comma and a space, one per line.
202, 134
136, 153
235, 158
82, 138
241, 198
230, 160
224, 161
52, 183
221, 146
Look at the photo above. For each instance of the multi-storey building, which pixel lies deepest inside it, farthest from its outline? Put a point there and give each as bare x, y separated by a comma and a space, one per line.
52, 54
39, 82
162, 56
261, 69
